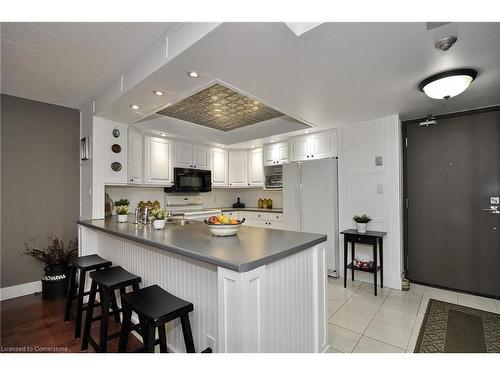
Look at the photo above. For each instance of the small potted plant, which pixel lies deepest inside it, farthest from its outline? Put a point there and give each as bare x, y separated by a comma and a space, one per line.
158, 217
361, 222
122, 202
56, 257
122, 212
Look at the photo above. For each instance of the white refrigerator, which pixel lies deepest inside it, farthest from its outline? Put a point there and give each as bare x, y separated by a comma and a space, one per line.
310, 202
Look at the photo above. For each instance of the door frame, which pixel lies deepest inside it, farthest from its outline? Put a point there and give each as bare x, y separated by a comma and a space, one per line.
404, 131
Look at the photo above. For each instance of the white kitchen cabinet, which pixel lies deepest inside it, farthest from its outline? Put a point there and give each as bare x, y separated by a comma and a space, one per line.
255, 168
232, 214
134, 156
219, 166
200, 157
275, 153
313, 146
157, 161
187, 155
238, 165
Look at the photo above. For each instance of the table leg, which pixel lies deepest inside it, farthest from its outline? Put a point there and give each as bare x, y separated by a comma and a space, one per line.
375, 267
381, 250
352, 260
345, 262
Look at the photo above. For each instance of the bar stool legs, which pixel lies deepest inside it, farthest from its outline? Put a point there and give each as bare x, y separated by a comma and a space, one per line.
186, 332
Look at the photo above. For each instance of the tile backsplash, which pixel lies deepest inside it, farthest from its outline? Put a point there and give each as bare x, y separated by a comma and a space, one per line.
217, 198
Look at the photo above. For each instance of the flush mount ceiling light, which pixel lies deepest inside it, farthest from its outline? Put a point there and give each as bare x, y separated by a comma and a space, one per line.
158, 92
447, 84
192, 74
135, 107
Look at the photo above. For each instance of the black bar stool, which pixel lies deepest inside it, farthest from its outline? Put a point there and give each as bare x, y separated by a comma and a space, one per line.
83, 264
107, 281
155, 307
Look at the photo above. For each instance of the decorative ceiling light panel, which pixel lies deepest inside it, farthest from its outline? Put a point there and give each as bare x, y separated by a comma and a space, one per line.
221, 108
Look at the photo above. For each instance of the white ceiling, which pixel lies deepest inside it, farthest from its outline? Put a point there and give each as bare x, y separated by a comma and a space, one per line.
68, 63
335, 74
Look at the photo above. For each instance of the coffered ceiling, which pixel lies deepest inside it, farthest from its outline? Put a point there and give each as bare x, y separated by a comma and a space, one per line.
220, 108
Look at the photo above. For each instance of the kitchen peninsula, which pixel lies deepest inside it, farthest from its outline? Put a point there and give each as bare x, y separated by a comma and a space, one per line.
262, 290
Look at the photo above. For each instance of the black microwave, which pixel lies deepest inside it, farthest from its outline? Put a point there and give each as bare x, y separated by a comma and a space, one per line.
190, 180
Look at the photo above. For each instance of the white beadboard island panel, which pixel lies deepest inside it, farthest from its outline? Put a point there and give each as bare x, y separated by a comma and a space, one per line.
278, 307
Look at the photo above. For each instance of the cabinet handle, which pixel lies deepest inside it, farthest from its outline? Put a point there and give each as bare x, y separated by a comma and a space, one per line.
312, 156
307, 155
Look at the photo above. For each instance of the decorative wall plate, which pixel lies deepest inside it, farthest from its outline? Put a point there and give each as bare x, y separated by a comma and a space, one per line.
116, 148
116, 133
116, 166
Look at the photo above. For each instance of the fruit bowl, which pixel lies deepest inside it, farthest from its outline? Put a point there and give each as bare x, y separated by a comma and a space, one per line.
222, 230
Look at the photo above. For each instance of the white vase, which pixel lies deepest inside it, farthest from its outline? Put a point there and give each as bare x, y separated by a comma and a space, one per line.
122, 218
159, 224
361, 227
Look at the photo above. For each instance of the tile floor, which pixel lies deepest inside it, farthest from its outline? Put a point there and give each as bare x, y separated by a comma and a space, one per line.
359, 322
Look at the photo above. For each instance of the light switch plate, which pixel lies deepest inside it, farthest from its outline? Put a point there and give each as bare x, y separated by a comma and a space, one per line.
494, 200
378, 161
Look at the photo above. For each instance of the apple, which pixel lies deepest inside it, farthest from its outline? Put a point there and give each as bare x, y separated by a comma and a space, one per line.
213, 219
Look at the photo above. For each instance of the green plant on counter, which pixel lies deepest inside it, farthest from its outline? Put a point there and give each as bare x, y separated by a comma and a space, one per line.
122, 202
122, 210
56, 253
361, 219
157, 214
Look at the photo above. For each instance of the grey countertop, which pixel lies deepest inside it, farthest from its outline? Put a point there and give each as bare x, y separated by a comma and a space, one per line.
253, 209
250, 248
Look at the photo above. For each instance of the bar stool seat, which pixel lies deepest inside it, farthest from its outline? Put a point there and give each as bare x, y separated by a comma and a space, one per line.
83, 265
90, 262
155, 307
107, 281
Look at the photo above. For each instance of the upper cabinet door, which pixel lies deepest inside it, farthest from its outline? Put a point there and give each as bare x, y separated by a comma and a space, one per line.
200, 157
282, 152
134, 156
255, 168
269, 154
183, 155
324, 145
238, 165
157, 161
219, 167
299, 148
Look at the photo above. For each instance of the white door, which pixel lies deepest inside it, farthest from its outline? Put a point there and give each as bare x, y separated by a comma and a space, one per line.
183, 155
269, 155
321, 145
299, 148
158, 161
238, 166
134, 156
219, 167
282, 152
255, 168
200, 157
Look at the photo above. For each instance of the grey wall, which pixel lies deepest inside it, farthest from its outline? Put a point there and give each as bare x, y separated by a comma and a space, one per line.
39, 181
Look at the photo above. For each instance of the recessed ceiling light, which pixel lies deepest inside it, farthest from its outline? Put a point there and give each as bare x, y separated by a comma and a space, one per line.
135, 107
158, 92
163, 134
307, 131
252, 146
192, 74
272, 141
448, 84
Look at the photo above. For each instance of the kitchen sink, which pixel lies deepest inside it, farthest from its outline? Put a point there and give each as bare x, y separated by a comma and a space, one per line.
176, 221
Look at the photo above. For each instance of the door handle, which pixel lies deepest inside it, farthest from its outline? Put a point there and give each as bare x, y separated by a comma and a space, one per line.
492, 209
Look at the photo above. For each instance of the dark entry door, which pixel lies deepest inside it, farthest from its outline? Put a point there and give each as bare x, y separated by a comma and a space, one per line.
452, 170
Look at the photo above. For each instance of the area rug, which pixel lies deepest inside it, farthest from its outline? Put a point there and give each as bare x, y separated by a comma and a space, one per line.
451, 328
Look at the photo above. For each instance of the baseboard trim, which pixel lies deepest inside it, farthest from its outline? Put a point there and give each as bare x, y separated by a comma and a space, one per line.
20, 290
